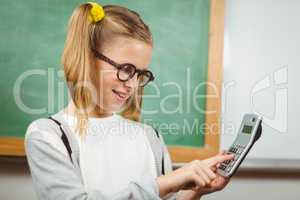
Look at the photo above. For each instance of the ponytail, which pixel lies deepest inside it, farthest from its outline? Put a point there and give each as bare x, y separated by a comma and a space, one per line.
90, 26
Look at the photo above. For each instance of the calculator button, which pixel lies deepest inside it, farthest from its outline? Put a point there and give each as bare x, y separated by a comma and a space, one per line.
228, 169
222, 167
227, 162
231, 149
231, 165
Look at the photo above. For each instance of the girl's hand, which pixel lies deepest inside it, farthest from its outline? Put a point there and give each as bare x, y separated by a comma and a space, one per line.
217, 184
194, 175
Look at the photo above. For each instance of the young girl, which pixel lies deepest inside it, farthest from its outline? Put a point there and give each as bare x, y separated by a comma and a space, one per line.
87, 150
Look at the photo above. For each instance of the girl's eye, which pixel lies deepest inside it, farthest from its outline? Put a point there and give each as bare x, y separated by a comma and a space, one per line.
128, 69
126, 72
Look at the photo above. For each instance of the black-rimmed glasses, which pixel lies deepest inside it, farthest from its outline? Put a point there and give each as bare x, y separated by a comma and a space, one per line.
127, 70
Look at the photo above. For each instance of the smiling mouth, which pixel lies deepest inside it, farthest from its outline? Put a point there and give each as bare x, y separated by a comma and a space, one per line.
120, 95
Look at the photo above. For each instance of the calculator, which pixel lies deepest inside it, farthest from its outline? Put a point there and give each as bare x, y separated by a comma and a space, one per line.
249, 132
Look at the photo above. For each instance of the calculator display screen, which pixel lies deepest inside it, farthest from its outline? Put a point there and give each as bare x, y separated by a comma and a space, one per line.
247, 129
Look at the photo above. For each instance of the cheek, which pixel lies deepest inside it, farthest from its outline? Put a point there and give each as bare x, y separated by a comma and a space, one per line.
107, 78
107, 81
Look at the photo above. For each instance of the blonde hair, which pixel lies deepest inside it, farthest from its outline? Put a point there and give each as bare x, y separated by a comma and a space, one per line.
79, 62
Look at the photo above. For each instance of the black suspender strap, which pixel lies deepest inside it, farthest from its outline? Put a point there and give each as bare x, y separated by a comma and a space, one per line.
162, 162
68, 147
64, 138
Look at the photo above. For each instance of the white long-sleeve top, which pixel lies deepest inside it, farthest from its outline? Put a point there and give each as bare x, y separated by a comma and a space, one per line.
113, 152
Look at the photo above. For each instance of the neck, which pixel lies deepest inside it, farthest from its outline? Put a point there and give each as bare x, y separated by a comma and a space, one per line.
71, 109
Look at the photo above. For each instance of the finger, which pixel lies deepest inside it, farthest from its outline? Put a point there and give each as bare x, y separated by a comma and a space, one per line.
196, 189
223, 152
199, 181
210, 173
220, 183
214, 168
206, 170
219, 159
202, 174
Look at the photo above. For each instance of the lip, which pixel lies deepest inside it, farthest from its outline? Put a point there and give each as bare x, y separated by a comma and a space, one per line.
121, 96
121, 92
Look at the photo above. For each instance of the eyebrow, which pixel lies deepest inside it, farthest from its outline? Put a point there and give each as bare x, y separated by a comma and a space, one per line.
110, 61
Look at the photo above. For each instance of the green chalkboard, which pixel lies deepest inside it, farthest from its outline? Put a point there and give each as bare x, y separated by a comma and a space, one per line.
32, 38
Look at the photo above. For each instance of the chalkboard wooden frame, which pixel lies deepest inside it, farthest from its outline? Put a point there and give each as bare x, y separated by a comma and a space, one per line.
13, 146
215, 71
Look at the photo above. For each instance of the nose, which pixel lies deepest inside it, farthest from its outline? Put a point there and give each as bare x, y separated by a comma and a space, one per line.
133, 82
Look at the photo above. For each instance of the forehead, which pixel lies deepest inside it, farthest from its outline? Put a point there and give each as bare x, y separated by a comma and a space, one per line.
126, 50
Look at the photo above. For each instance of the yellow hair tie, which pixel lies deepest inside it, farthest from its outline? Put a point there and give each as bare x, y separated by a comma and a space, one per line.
96, 12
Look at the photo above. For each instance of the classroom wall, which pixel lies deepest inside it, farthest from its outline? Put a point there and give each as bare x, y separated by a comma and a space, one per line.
255, 185
261, 74
15, 181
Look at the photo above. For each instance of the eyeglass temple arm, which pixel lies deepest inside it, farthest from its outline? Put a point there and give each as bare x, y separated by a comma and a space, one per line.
105, 59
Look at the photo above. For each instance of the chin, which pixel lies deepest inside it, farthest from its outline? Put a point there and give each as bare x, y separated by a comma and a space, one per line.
117, 108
